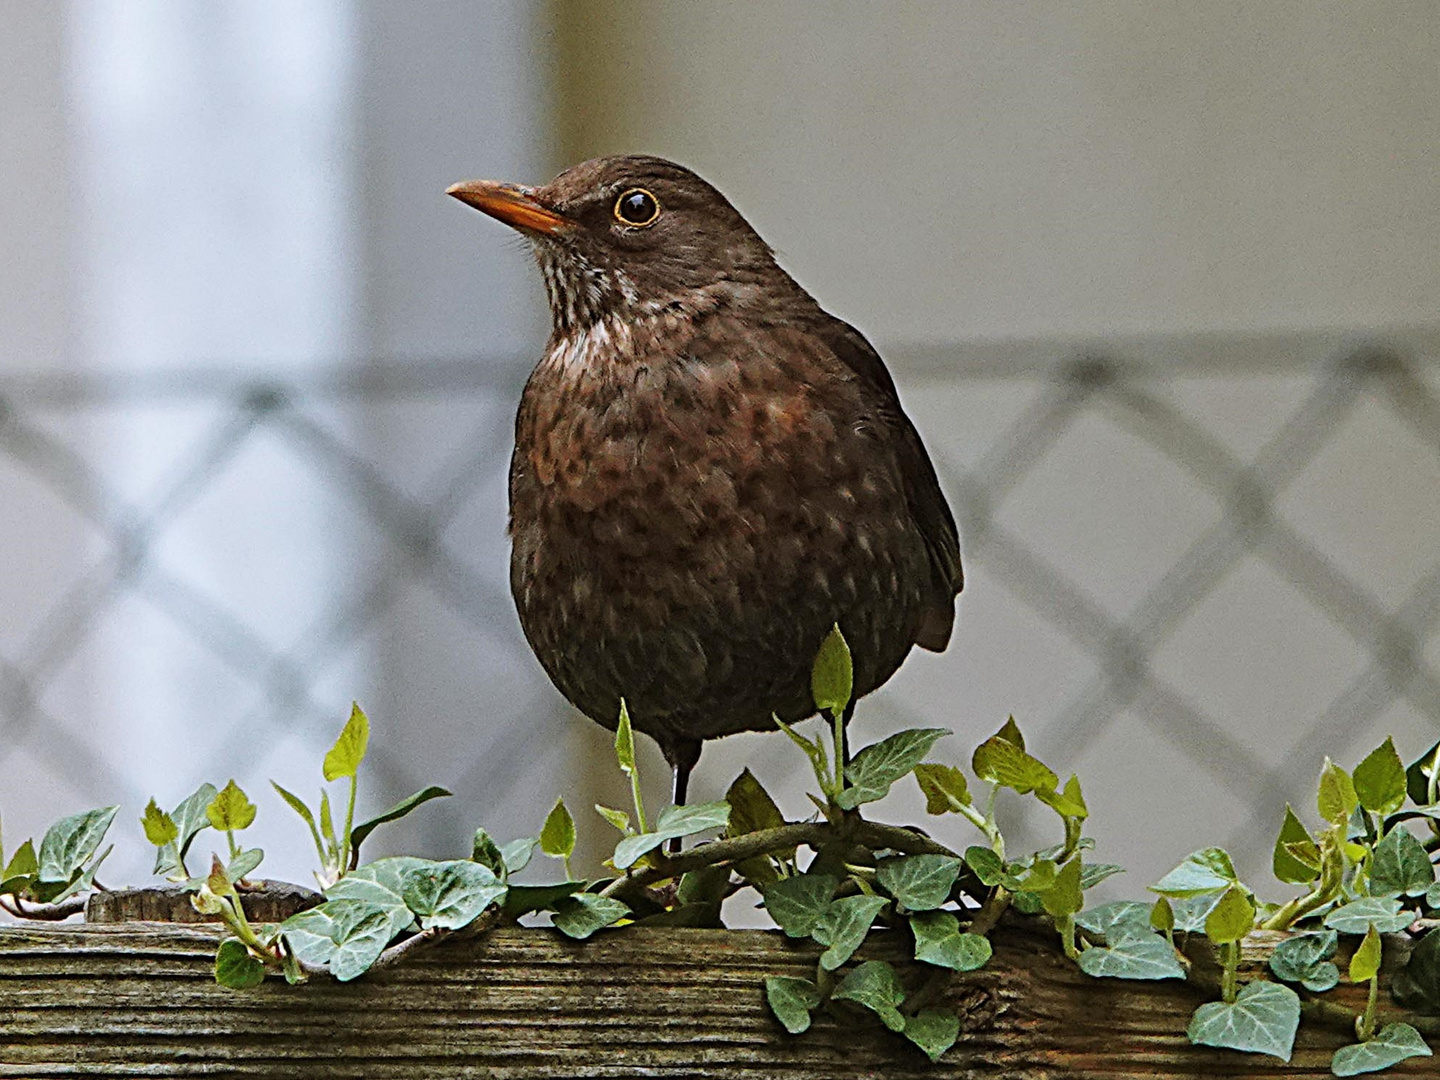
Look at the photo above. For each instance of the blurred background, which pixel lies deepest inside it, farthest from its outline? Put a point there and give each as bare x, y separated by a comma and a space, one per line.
1158, 282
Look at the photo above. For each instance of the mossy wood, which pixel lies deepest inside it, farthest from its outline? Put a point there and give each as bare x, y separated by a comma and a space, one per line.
139, 999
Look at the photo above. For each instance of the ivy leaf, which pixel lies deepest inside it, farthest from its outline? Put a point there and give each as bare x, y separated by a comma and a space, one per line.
1358, 916
844, 926
557, 835
791, 1000
582, 914
625, 742
944, 787
244, 864
1068, 803
1190, 912
1133, 956
231, 809
523, 899
1432, 896
1091, 874
449, 895
1232, 918
1205, 871
1000, 761
797, 903
485, 851
1162, 916
1337, 799
516, 854
618, 818
1391, 1045
347, 935
235, 966
933, 1030
873, 984
1261, 1020
1365, 964
1305, 959
1117, 920
987, 865
674, 821
919, 882
70, 842
343, 759
1419, 774
1289, 868
22, 867
381, 884
399, 810
1401, 865
160, 828
751, 807
938, 941
1380, 780
832, 676
879, 765
1416, 986
1065, 897
1011, 733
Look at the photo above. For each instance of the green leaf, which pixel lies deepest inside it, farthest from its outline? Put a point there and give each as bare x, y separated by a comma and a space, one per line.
23, 866
618, 818
1010, 732
1068, 803
1287, 867
190, 816
919, 882
382, 884
516, 854
523, 899
873, 984
1000, 761
751, 807
1162, 916
1391, 1045
244, 864
160, 828
1065, 896
938, 941
1365, 964
1232, 918
1337, 798
625, 742
797, 903
1135, 956
581, 915
1117, 920
449, 895
1432, 897
486, 852
944, 787
879, 765
1091, 874
343, 759
1205, 871
844, 926
1262, 1020
327, 823
1305, 959
1380, 780
832, 677
557, 835
791, 1000
1358, 916
1419, 774
1401, 866
1416, 986
933, 1030
70, 842
987, 865
399, 810
674, 821
231, 810
347, 935
235, 966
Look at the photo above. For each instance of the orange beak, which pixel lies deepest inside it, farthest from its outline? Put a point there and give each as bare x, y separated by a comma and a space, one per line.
512, 204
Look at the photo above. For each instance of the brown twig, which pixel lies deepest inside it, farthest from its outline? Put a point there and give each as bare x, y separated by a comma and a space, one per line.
427, 939
45, 912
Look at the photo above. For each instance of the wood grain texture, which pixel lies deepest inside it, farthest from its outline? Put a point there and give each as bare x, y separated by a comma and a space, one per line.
138, 1000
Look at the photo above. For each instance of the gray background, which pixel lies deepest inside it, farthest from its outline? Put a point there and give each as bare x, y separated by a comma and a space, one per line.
1158, 283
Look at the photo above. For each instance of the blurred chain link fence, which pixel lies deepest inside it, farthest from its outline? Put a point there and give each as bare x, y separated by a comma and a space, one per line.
1154, 534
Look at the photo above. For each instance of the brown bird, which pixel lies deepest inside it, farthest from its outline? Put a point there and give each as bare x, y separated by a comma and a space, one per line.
710, 471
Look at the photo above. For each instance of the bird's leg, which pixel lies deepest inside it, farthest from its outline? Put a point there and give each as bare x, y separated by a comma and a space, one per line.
682, 755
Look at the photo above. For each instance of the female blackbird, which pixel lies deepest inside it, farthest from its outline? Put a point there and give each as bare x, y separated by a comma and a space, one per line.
709, 471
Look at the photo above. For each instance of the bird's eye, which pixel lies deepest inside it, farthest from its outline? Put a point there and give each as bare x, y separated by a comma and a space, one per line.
637, 207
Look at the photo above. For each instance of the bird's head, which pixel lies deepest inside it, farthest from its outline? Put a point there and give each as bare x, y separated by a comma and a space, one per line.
630, 237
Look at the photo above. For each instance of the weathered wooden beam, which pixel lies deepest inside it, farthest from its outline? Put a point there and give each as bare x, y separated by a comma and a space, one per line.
139, 1000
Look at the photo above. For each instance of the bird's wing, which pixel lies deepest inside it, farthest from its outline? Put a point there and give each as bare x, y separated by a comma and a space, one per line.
922, 486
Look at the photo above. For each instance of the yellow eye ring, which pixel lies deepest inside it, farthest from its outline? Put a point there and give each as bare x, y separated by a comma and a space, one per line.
637, 208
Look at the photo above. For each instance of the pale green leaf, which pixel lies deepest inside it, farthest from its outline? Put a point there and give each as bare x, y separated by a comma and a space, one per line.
751, 807
557, 835
1365, 964
1000, 761
231, 809
1358, 916
944, 787
1337, 799
1205, 871
625, 741
71, 841
1065, 896
1232, 918
1380, 780
160, 828
343, 759
831, 676
1134, 956
1288, 867
1117, 920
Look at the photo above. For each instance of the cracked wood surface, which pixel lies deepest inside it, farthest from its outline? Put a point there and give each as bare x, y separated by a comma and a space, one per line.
139, 1000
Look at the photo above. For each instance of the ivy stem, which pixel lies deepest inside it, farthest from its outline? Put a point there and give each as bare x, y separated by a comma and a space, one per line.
349, 821
1365, 1027
1230, 969
837, 723
989, 914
